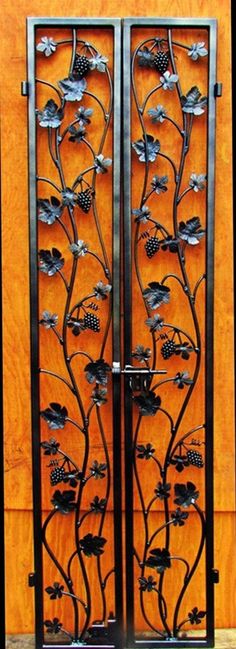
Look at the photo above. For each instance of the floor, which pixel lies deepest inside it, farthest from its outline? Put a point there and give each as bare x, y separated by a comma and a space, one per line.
225, 639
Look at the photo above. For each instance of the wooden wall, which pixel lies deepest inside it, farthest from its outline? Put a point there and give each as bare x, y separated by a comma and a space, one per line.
18, 485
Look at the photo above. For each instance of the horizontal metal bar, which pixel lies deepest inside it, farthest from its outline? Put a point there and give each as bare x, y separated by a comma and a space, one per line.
172, 22
129, 369
34, 21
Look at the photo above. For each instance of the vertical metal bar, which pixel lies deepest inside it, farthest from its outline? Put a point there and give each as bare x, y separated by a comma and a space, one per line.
209, 405
128, 333
116, 337
34, 338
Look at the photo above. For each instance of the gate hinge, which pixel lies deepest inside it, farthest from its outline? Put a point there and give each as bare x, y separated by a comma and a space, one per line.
31, 579
215, 576
25, 88
218, 88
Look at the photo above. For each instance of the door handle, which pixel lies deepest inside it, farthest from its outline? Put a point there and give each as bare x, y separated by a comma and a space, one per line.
139, 377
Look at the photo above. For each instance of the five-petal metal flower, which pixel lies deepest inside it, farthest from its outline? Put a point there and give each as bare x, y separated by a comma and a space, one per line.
184, 350
98, 62
99, 396
101, 290
179, 461
83, 114
49, 210
50, 447
72, 88
145, 57
98, 470
55, 416
78, 249
51, 115
170, 243
159, 559
147, 148
168, 80
53, 626
181, 379
157, 114
197, 50
159, 184
156, 323
148, 403
50, 262
98, 505
145, 452
76, 325
64, 501
101, 164
156, 295
147, 584
97, 371
55, 591
186, 494
69, 198
191, 231
141, 354
178, 517
49, 320
162, 491
92, 545
197, 182
142, 214
47, 45
76, 134
193, 102
195, 616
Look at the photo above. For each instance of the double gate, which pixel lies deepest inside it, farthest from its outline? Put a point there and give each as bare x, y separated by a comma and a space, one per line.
121, 195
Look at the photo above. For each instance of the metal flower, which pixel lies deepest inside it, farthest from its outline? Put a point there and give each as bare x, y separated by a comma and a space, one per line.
64, 501
186, 494
157, 114
98, 470
159, 559
98, 62
92, 545
51, 447
184, 350
147, 149
72, 477
170, 243
77, 325
49, 320
179, 461
162, 490
78, 249
148, 403
168, 80
193, 102
101, 290
72, 88
181, 379
147, 584
55, 591
47, 46
50, 262
49, 211
145, 452
159, 184
197, 182
99, 396
51, 115
155, 324
145, 57
156, 295
76, 134
142, 214
195, 616
141, 354
101, 164
69, 197
55, 416
98, 506
197, 50
83, 114
53, 626
191, 231
178, 517
97, 371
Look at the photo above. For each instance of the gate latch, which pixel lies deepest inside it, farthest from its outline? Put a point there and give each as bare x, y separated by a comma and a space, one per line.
139, 378
31, 579
215, 576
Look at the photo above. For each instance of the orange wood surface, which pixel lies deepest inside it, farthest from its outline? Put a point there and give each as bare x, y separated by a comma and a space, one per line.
18, 485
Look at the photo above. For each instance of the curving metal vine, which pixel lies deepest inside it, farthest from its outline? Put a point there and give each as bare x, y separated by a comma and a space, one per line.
168, 339
80, 317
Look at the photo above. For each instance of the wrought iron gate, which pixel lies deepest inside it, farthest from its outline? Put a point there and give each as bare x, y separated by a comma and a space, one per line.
167, 178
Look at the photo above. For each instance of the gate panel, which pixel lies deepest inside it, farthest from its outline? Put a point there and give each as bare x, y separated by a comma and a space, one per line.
169, 125
74, 121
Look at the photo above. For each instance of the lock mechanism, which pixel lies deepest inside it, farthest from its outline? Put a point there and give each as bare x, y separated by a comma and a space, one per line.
139, 378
